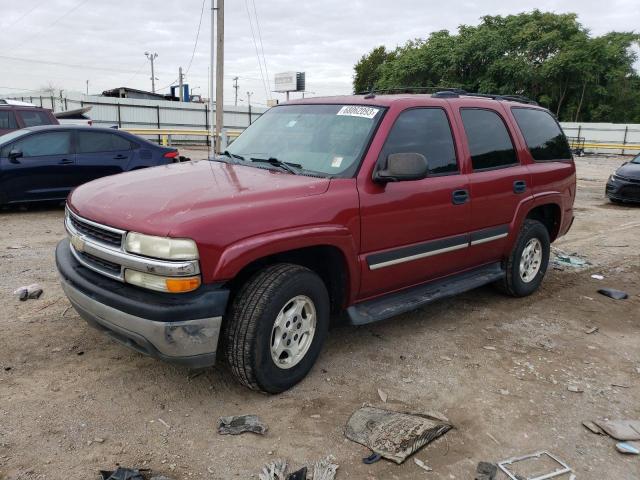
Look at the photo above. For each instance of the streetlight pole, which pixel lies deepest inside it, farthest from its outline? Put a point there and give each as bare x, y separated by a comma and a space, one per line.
219, 75
152, 57
249, 103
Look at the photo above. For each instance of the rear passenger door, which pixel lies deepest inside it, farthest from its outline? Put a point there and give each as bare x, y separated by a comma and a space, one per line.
7, 121
499, 183
101, 153
414, 231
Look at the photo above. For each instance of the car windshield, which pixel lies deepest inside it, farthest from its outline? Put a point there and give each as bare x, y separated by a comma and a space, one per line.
8, 137
636, 160
318, 139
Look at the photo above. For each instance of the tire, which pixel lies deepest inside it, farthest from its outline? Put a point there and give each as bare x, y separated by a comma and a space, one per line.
532, 234
250, 330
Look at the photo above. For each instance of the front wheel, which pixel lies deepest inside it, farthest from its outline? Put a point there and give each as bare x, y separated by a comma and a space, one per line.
276, 326
527, 264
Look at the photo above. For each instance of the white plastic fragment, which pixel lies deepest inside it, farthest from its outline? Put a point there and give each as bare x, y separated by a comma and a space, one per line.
325, 469
274, 470
422, 465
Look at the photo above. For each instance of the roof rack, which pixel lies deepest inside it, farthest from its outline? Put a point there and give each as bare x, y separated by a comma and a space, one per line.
447, 92
4, 102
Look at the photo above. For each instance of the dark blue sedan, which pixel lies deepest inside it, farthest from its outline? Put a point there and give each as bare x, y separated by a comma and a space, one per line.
46, 163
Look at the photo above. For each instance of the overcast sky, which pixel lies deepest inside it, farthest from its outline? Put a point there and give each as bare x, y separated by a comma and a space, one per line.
66, 42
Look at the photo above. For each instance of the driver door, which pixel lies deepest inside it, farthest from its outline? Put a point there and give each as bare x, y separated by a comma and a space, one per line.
415, 231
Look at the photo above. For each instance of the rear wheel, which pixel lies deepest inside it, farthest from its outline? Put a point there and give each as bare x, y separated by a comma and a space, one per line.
527, 264
276, 327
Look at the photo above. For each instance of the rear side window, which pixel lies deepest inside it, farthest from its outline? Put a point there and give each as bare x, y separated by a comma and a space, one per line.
7, 120
33, 118
93, 142
542, 134
42, 144
489, 142
425, 131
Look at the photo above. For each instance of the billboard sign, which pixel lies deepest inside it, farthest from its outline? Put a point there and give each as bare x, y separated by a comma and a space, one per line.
286, 82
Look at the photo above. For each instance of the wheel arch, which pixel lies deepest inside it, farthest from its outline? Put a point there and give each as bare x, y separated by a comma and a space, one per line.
550, 215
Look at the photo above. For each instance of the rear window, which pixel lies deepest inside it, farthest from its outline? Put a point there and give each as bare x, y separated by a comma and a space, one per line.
543, 135
8, 120
92, 142
33, 118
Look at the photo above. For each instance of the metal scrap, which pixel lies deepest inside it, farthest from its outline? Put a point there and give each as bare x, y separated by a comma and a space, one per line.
393, 435
560, 468
238, 424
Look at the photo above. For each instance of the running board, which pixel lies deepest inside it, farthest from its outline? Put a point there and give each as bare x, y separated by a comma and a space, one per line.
415, 297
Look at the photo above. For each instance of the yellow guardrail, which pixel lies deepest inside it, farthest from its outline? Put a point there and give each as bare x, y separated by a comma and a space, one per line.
165, 134
613, 146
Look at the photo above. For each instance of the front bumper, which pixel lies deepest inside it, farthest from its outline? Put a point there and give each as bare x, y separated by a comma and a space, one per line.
623, 190
179, 328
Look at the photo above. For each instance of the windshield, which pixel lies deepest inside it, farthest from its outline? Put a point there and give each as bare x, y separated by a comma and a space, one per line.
636, 160
320, 139
12, 136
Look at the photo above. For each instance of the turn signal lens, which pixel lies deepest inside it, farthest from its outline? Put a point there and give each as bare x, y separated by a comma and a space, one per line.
162, 284
181, 285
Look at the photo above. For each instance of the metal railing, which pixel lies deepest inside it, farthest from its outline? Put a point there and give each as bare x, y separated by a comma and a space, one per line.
166, 134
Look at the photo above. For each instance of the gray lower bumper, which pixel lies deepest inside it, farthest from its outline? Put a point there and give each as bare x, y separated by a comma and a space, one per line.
192, 342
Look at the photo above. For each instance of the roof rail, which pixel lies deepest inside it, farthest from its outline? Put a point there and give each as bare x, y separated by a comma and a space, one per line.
396, 90
15, 103
446, 92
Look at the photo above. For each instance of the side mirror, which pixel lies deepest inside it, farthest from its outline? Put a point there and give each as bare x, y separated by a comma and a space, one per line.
402, 167
14, 154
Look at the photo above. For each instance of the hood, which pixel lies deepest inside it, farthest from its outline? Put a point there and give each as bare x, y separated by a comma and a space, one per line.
158, 200
629, 170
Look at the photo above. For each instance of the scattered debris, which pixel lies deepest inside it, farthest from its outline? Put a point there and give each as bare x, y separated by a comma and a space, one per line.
164, 423
298, 475
562, 260
373, 458
597, 276
628, 447
619, 385
32, 291
16, 247
574, 389
122, 473
503, 391
623, 430
325, 469
383, 395
493, 438
236, 425
274, 470
422, 465
591, 330
393, 435
486, 471
559, 467
489, 347
613, 293
407, 380
593, 428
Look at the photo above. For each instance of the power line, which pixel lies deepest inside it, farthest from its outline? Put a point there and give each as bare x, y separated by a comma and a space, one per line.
264, 59
255, 44
13, 22
195, 45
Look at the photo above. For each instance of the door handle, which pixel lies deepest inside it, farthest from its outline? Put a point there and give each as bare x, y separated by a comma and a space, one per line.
519, 186
65, 161
120, 157
459, 197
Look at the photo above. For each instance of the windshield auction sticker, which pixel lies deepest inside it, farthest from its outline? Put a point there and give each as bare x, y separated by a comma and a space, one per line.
358, 111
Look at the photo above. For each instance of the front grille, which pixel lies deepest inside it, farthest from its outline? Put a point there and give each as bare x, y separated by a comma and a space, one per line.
96, 233
100, 263
631, 192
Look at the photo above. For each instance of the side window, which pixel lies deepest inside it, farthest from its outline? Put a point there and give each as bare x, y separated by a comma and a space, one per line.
8, 120
92, 142
33, 118
489, 142
41, 144
425, 131
542, 134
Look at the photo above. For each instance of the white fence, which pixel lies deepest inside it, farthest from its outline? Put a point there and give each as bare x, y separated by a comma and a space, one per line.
597, 137
149, 114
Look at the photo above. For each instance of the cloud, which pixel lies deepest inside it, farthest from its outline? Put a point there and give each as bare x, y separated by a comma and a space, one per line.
324, 38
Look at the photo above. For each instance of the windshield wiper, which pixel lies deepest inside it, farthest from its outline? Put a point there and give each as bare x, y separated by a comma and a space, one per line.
288, 166
227, 153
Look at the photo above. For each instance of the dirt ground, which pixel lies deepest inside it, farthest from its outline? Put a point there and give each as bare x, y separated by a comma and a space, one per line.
72, 401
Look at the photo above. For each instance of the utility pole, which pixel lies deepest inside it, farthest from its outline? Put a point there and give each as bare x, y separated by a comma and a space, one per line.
235, 86
152, 57
181, 84
87, 87
249, 103
211, 70
219, 74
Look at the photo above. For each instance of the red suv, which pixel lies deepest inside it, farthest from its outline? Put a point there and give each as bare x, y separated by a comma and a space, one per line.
15, 115
372, 205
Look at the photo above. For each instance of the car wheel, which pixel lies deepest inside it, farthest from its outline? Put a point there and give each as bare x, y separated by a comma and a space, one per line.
527, 264
276, 326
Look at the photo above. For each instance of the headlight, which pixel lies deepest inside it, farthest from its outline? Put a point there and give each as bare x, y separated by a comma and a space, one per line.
161, 247
162, 284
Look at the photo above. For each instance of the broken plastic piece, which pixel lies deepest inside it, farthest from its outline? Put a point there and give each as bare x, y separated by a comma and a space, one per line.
559, 467
373, 458
623, 430
236, 425
422, 465
325, 469
393, 435
613, 293
628, 447
593, 428
486, 471
122, 473
274, 470
298, 475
